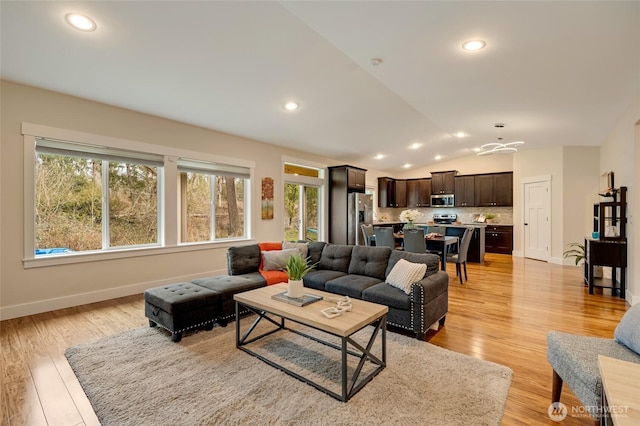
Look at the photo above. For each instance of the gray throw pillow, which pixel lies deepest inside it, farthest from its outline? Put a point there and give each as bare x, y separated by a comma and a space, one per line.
275, 260
628, 330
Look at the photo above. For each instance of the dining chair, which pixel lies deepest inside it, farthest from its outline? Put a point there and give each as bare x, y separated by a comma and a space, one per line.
460, 258
414, 241
367, 233
384, 236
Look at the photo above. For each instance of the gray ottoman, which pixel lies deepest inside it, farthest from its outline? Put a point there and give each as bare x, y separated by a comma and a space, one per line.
180, 307
228, 285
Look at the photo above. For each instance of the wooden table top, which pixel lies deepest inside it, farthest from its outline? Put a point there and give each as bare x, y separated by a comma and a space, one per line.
362, 313
621, 381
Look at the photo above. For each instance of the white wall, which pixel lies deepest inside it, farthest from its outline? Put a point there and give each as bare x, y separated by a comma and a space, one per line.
619, 153
581, 184
27, 291
530, 163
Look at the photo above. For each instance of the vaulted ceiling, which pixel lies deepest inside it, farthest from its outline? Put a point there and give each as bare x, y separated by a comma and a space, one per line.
555, 73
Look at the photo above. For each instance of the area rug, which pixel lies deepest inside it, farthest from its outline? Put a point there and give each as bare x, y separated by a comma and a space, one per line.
140, 377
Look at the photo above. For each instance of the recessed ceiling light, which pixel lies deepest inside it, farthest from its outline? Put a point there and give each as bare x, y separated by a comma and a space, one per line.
379, 156
476, 149
291, 106
438, 157
472, 45
415, 145
80, 22
460, 135
406, 166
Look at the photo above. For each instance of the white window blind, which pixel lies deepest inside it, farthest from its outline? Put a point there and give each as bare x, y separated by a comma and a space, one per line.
72, 149
186, 165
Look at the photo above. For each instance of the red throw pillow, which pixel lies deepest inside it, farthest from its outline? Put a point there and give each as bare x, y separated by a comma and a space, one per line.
272, 277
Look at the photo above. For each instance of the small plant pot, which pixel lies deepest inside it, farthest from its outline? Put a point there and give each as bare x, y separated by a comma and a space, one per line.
296, 288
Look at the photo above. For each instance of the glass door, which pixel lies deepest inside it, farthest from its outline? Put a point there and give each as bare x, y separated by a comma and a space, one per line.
300, 212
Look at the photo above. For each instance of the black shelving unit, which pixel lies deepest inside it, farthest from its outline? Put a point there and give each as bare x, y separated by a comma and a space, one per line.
610, 249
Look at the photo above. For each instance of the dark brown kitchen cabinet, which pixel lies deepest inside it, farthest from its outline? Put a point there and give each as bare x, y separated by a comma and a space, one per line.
498, 239
356, 179
465, 191
347, 179
392, 192
494, 189
418, 192
443, 182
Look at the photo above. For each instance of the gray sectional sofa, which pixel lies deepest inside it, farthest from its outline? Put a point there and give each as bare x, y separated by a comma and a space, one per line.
354, 271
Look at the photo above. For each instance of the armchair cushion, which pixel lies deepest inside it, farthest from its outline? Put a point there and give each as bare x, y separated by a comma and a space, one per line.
628, 329
575, 359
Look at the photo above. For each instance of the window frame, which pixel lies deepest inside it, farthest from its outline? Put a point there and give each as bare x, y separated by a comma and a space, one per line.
212, 217
320, 182
168, 197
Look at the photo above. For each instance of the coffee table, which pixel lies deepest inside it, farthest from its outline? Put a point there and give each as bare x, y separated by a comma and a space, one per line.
362, 314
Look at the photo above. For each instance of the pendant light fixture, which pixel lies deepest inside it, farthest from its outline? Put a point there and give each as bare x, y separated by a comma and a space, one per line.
499, 147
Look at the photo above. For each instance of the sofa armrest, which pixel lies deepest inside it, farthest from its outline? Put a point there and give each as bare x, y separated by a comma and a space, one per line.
429, 287
429, 301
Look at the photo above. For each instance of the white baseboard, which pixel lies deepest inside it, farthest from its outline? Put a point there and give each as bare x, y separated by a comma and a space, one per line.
40, 306
561, 261
517, 253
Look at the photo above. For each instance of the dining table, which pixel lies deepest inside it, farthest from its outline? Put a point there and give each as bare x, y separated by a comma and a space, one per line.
440, 243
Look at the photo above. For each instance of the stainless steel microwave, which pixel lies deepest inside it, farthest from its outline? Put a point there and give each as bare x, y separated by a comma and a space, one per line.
442, 200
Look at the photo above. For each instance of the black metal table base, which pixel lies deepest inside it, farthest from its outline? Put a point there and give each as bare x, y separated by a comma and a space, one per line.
349, 387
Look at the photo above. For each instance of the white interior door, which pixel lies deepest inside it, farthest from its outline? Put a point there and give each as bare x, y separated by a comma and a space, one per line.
537, 227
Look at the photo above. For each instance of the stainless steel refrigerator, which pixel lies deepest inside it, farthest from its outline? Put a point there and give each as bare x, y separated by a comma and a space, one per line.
359, 211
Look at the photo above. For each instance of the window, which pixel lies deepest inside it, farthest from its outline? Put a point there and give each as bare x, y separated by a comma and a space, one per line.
90, 197
75, 184
302, 202
212, 201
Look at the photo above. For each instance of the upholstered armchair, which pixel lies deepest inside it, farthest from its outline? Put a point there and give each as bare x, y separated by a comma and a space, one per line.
575, 359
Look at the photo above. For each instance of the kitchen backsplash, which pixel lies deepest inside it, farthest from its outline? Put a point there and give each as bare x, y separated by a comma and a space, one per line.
504, 215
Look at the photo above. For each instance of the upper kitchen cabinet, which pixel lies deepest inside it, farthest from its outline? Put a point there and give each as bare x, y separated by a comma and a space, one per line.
418, 192
356, 179
392, 192
443, 182
495, 189
347, 179
465, 191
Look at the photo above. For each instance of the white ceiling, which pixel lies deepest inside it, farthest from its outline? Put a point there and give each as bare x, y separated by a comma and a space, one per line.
556, 73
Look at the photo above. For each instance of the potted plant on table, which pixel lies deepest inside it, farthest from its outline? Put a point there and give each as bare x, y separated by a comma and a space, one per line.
296, 268
489, 217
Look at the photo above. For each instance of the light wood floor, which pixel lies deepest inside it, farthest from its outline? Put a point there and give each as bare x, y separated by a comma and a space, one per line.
502, 314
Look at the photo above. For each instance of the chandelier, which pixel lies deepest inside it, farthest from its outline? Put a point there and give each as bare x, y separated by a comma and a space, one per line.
499, 147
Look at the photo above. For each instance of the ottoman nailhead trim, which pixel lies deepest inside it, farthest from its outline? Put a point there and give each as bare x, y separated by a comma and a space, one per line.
187, 328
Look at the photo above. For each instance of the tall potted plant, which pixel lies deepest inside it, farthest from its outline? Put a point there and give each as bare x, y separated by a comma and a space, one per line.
296, 268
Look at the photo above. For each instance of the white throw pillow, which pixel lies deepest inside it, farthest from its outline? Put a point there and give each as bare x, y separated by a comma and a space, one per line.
274, 260
406, 273
302, 247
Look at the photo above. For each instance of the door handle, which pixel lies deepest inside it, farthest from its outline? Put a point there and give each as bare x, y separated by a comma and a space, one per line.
526, 224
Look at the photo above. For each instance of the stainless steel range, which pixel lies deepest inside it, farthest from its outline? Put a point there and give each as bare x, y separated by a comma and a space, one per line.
445, 218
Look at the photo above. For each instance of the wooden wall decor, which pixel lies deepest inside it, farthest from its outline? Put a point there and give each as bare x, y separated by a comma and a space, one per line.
267, 198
